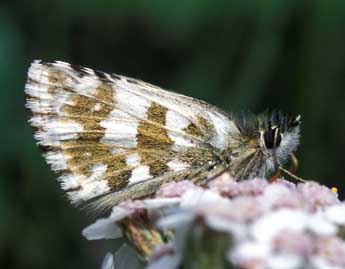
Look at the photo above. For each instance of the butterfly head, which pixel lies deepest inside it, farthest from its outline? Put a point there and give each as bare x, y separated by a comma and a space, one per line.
267, 140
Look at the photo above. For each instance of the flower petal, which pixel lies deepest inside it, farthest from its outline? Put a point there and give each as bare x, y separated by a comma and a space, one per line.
108, 261
102, 229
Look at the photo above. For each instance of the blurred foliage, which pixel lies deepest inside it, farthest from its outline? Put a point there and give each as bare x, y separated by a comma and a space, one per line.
239, 55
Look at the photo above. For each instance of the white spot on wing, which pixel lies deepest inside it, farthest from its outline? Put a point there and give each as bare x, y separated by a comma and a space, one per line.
140, 173
47, 103
62, 127
119, 132
98, 171
38, 90
133, 159
149, 92
122, 125
89, 190
87, 84
54, 131
135, 106
38, 73
175, 122
223, 127
57, 160
89, 187
176, 165
70, 181
117, 150
180, 140
38, 86
97, 107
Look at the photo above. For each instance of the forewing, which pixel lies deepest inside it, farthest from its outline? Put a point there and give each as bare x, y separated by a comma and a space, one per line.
103, 133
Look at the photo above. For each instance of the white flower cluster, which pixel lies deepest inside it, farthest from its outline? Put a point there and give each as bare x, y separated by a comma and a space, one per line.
271, 225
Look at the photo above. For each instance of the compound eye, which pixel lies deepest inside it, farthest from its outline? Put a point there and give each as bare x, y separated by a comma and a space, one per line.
272, 138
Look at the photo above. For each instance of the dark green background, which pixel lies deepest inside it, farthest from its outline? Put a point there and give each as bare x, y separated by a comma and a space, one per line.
238, 55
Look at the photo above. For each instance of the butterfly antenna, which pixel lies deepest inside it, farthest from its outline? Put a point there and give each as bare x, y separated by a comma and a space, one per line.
292, 175
293, 167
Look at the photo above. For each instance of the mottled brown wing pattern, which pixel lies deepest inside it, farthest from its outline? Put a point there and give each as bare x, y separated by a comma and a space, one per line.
104, 133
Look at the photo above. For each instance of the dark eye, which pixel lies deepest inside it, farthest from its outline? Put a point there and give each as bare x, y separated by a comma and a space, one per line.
272, 138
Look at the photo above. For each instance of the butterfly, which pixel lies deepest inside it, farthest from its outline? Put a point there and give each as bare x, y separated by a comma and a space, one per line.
110, 138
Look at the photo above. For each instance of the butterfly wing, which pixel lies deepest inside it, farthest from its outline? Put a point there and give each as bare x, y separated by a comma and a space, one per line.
104, 133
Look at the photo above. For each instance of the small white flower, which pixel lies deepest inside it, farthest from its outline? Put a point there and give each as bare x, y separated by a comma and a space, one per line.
122, 211
272, 226
168, 262
320, 263
250, 251
102, 229
266, 227
237, 229
286, 261
174, 189
321, 226
275, 192
177, 220
336, 213
108, 261
192, 198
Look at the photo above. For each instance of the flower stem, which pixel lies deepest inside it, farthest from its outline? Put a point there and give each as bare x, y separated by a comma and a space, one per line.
206, 249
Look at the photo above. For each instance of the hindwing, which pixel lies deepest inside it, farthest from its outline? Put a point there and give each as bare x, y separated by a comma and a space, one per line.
104, 133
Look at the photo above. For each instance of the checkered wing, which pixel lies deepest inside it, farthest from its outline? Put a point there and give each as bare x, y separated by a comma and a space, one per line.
115, 137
